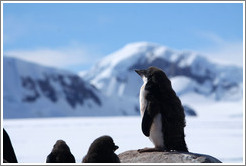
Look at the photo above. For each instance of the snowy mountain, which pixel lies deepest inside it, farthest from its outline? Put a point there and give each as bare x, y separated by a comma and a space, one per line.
189, 72
111, 87
31, 90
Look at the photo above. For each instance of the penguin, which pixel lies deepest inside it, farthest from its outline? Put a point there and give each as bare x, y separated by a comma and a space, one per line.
163, 118
60, 153
8, 150
102, 151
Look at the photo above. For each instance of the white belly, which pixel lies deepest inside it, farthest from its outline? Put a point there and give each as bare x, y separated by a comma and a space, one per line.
142, 96
156, 135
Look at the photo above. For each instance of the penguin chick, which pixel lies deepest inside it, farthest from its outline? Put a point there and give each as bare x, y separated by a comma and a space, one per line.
102, 151
8, 150
60, 153
163, 118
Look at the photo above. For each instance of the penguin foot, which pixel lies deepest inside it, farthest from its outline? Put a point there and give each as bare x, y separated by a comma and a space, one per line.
151, 150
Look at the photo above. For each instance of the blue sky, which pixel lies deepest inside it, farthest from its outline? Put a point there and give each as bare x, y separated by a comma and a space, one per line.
75, 36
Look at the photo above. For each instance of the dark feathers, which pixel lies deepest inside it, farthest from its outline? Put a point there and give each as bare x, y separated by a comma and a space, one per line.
102, 151
161, 98
8, 150
146, 122
60, 153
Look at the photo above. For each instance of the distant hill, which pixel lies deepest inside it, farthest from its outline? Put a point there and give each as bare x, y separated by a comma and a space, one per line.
32, 90
189, 72
111, 87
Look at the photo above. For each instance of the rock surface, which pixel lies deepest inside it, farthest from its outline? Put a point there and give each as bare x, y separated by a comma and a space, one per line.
133, 156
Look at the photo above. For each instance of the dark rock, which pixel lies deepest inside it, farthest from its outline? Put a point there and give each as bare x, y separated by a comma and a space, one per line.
133, 156
29, 84
74, 89
173, 69
47, 89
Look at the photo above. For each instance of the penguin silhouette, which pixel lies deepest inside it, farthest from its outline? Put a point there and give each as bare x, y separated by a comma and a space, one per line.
163, 118
60, 153
8, 150
102, 151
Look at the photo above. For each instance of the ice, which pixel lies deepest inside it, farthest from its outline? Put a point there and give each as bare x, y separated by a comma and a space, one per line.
33, 139
216, 131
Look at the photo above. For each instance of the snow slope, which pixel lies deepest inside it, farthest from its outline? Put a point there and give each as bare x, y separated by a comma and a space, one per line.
114, 75
31, 90
111, 87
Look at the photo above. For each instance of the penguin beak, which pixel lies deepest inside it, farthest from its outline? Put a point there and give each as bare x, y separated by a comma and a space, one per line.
116, 147
141, 72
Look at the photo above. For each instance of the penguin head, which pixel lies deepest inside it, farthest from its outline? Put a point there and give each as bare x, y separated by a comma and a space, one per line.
156, 76
144, 74
104, 144
61, 145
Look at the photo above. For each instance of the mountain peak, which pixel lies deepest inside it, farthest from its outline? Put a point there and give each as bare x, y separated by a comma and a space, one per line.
115, 73
132, 52
143, 44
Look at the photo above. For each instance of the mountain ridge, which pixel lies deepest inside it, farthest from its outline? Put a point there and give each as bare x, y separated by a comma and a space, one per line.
31, 90
174, 63
111, 87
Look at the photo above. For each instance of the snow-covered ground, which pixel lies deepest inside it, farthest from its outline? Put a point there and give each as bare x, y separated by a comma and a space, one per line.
214, 91
217, 131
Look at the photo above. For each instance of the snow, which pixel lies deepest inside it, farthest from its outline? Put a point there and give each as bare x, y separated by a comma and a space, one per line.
216, 131
111, 86
186, 61
33, 139
13, 94
121, 89
128, 52
182, 84
119, 61
207, 78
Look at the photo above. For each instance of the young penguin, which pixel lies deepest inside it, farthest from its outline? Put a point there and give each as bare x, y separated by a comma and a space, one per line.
163, 118
60, 153
8, 150
102, 151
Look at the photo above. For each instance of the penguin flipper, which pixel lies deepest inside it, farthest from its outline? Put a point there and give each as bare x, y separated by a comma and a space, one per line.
146, 122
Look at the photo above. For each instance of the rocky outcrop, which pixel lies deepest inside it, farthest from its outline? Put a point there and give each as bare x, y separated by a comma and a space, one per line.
133, 156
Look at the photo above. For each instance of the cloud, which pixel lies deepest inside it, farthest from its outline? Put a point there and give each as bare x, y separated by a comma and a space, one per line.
223, 51
63, 57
